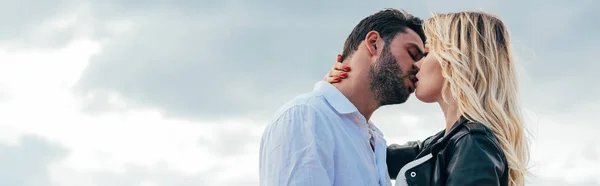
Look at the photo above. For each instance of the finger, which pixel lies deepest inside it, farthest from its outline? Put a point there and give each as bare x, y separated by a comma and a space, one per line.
341, 67
338, 65
343, 75
329, 76
332, 79
337, 73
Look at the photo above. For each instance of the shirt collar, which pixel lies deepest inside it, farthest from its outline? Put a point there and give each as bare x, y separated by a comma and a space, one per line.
335, 98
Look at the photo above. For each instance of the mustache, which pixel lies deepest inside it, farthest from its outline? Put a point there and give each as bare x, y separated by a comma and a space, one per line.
414, 70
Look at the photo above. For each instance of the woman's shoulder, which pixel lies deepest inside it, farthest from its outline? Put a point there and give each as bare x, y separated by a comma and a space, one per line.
476, 138
475, 158
473, 130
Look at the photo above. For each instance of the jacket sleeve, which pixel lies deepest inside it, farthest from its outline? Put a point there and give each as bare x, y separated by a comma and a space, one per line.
476, 161
399, 155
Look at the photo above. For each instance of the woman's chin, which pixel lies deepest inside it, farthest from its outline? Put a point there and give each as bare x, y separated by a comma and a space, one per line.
424, 98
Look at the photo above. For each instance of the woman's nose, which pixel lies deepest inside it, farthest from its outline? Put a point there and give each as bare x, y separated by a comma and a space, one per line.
418, 63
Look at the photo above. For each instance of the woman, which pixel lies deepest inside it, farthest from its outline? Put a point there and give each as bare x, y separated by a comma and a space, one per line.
469, 71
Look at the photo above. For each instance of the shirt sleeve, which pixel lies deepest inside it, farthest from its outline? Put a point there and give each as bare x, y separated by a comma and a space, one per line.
297, 150
476, 161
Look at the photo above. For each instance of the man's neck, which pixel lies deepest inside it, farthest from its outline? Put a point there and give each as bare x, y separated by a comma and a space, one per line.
359, 95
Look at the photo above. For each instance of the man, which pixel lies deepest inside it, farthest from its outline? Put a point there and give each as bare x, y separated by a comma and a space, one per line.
325, 137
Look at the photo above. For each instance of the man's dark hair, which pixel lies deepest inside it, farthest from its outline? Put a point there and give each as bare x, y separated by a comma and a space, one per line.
388, 22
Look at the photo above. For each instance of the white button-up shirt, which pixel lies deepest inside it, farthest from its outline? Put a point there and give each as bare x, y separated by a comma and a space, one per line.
320, 138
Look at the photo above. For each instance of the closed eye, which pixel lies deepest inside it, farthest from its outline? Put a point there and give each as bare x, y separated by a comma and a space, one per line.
411, 55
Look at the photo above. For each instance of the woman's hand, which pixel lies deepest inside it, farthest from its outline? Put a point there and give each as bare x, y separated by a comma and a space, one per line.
338, 72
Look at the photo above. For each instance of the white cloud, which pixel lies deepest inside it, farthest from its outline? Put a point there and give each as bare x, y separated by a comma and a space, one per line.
42, 104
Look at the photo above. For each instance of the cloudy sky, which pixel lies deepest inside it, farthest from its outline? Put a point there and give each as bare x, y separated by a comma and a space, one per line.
176, 93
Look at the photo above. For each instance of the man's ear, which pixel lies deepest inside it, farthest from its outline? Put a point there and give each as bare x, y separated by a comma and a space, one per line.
373, 43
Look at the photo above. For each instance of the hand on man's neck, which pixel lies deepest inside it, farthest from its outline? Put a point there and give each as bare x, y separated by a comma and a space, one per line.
357, 89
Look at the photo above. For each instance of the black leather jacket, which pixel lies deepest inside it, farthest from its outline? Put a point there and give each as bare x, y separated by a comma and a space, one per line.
468, 155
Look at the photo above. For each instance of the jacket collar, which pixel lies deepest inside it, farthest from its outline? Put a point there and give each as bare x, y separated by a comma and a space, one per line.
439, 139
456, 126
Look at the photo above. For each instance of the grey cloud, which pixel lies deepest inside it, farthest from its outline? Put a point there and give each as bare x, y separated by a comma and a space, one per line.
21, 21
554, 42
245, 59
236, 59
564, 68
27, 164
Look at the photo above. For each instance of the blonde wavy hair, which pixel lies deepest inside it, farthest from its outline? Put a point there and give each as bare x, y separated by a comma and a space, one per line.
474, 51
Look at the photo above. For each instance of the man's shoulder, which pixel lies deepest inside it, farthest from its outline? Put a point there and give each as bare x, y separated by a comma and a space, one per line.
306, 113
310, 102
304, 116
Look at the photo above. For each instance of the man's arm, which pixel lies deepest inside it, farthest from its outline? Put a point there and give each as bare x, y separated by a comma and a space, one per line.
297, 150
400, 155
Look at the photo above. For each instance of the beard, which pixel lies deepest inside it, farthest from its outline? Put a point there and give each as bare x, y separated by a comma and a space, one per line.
387, 80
